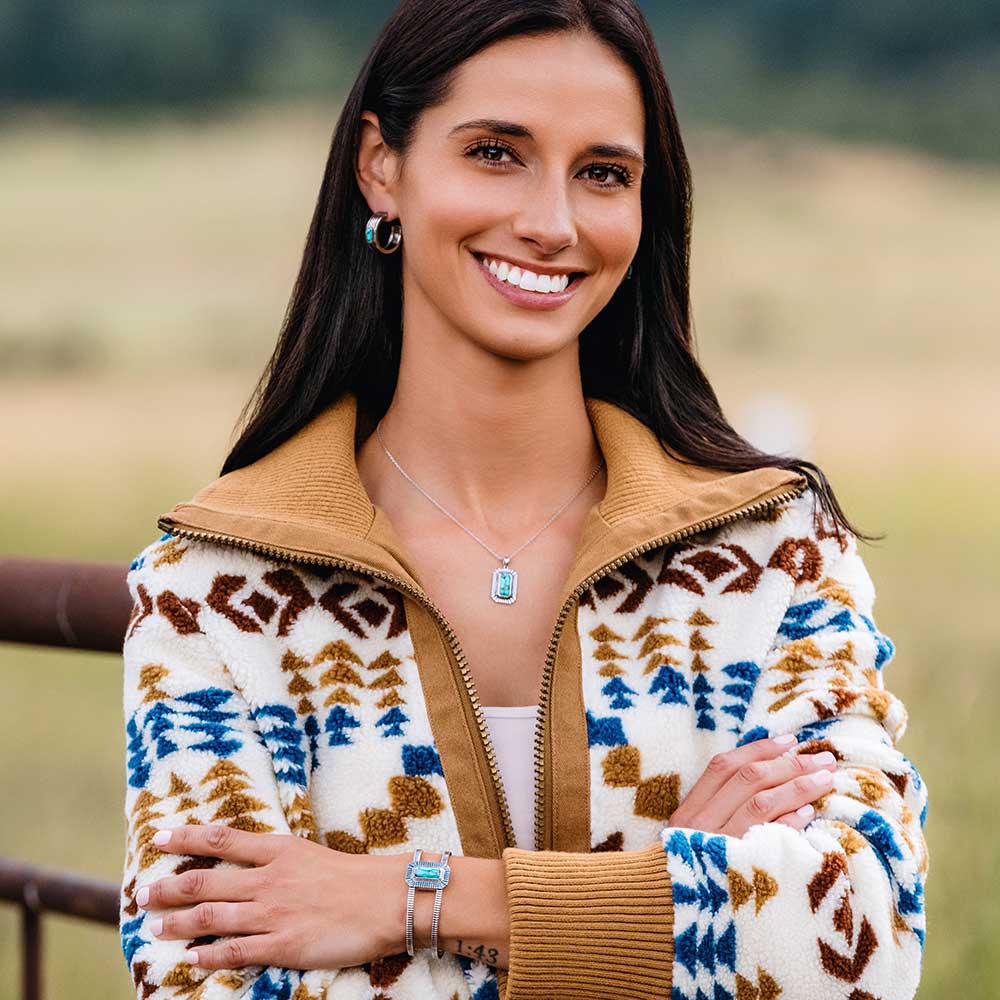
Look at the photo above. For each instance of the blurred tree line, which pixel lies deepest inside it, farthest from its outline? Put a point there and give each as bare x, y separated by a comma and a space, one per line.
919, 72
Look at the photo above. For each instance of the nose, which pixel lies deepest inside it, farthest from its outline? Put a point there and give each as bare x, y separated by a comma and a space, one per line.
546, 216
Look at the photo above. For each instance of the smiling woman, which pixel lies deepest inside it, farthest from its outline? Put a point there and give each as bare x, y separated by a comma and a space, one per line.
328, 664
523, 188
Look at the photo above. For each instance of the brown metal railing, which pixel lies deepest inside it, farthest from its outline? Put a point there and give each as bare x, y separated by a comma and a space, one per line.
38, 890
75, 605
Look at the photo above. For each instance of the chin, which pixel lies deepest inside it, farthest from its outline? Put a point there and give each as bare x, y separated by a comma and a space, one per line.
527, 346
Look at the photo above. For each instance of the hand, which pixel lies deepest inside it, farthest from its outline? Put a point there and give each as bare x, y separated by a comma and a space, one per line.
302, 906
756, 783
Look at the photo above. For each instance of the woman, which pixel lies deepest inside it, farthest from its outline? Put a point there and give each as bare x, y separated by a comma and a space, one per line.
485, 475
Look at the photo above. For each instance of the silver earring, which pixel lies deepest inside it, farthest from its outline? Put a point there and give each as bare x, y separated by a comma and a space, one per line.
628, 273
371, 233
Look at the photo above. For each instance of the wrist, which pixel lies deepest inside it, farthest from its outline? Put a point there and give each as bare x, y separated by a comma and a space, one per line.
394, 933
475, 921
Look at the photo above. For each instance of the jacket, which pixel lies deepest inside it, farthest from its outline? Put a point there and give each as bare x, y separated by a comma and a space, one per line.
284, 671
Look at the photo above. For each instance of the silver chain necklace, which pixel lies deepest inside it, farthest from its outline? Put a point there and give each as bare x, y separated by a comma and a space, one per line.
504, 585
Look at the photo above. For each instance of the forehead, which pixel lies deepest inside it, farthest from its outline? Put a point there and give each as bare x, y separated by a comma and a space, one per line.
560, 84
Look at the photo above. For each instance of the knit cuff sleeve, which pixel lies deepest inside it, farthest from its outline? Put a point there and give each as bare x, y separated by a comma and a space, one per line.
595, 925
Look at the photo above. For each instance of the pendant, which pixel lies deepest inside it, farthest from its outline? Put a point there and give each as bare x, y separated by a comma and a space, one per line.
504, 584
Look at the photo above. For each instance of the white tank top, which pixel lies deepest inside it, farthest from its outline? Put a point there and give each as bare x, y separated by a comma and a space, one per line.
512, 729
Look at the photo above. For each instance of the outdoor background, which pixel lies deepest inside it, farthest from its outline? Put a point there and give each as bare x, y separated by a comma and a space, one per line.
158, 167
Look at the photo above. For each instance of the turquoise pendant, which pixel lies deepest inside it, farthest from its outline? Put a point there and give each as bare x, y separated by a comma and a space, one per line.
504, 585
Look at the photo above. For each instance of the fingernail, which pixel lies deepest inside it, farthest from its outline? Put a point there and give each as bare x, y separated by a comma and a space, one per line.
821, 778
191, 956
142, 896
785, 740
806, 810
156, 927
825, 757
161, 837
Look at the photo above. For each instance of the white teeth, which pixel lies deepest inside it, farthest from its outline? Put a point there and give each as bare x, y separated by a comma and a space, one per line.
526, 279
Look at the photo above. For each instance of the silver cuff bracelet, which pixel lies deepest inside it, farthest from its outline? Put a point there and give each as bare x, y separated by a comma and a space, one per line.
425, 875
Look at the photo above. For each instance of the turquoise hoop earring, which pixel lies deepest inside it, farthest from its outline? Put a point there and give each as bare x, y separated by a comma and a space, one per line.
371, 234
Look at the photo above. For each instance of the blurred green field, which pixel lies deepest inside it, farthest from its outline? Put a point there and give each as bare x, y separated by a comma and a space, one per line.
143, 277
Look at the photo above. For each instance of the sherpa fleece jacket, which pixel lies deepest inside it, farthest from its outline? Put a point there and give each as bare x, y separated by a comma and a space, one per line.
285, 671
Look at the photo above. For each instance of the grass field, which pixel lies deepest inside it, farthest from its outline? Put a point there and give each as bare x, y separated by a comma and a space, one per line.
143, 276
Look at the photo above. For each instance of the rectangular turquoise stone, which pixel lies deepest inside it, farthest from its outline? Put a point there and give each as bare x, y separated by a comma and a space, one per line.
504, 584
427, 871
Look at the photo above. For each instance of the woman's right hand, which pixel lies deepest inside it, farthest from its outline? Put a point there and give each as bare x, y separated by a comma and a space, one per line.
756, 783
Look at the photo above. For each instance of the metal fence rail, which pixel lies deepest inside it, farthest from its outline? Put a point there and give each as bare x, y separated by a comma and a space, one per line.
49, 602
74, 605
37, 890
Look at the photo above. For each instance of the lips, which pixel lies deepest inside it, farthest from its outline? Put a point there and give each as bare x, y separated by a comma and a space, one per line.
484, 257
523, 297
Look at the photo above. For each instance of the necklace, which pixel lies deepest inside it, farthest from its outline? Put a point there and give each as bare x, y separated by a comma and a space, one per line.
504, 582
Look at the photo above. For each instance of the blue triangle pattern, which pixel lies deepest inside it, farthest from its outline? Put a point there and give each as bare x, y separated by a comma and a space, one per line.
265, 988
605, 732
702, 704
284, 740
337, 723
157, 730
618, 691
392, 721
672, 683
704, 930
131, 940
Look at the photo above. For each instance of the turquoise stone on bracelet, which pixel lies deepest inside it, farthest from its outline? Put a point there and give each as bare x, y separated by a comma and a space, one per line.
427, 871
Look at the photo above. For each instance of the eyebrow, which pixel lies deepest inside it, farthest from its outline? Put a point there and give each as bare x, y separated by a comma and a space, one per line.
518, 131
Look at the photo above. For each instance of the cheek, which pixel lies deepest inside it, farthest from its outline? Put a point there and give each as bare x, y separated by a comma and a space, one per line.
614, 230
453, 208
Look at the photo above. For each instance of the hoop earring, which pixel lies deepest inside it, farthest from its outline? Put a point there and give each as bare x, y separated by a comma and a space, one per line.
371, 234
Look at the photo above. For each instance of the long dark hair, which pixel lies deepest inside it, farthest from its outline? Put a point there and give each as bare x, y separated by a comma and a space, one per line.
342, 330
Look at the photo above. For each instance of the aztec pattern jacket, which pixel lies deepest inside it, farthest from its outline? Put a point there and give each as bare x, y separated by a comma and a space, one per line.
284, 671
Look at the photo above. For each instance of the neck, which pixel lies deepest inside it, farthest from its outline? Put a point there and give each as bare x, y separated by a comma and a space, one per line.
500, 445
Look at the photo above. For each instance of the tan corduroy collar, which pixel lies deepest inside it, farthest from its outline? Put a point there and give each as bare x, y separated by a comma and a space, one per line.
305, 500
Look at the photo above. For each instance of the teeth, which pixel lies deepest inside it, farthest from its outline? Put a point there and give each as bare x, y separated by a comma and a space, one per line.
525, 279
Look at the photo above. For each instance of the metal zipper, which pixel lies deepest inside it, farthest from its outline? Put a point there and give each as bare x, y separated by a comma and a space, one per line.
653, 543
290, 554
301, 557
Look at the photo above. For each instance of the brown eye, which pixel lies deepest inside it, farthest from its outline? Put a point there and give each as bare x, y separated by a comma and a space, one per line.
623, 174
493, 148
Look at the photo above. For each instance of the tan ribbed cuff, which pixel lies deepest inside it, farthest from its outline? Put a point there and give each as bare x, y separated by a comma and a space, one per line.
589, 925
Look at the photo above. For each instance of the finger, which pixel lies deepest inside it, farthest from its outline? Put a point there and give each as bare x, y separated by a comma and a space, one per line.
215, 841
799, 819
237, 952
765, 805
721, 768
200, 884
757, 776
212, 918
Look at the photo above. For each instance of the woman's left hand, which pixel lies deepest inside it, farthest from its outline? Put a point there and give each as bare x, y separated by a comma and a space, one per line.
302, 906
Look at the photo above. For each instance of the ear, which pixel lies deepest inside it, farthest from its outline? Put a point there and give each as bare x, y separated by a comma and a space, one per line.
376, 167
